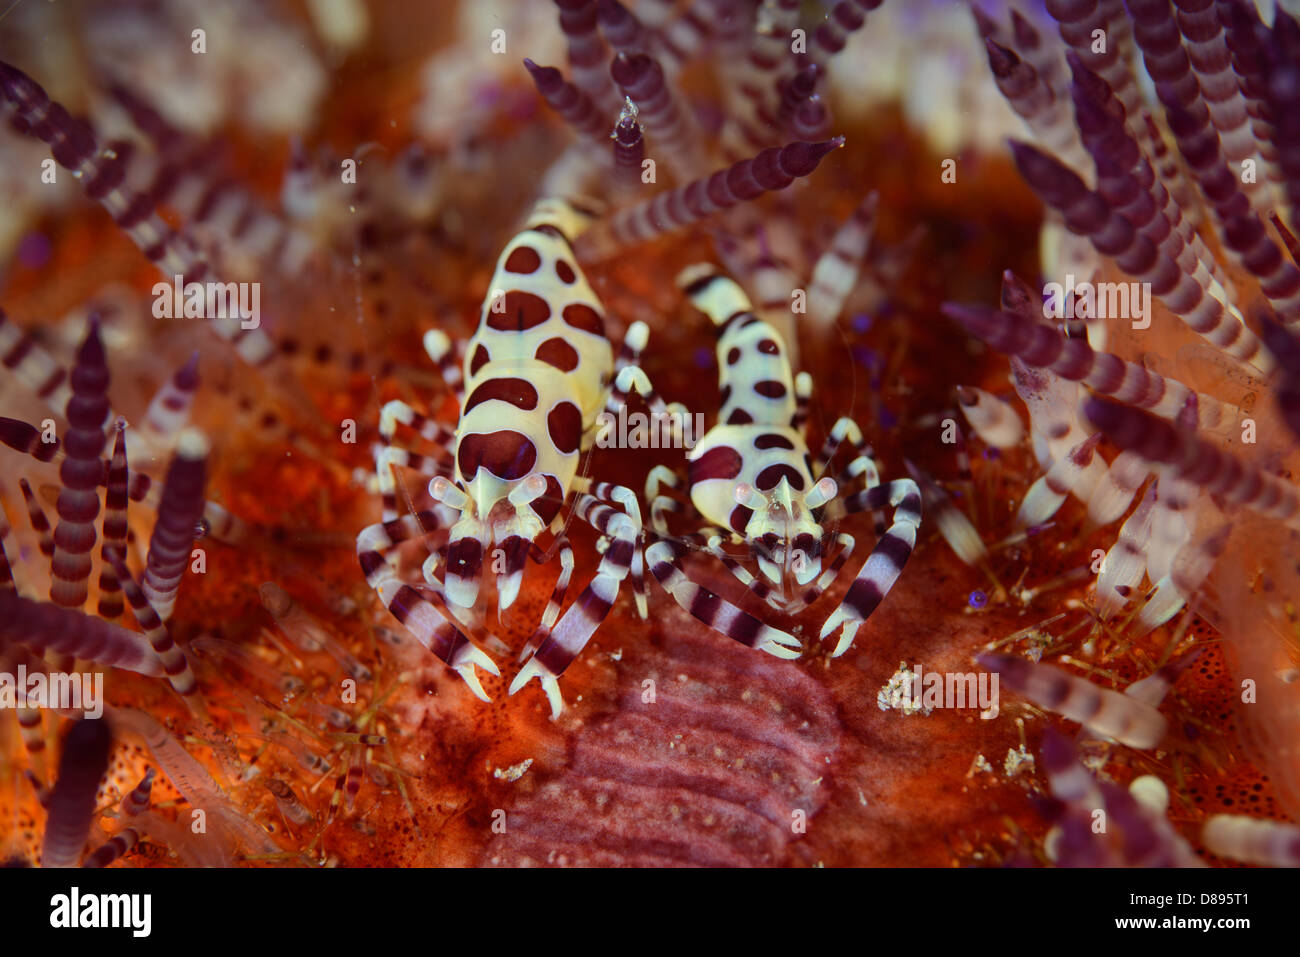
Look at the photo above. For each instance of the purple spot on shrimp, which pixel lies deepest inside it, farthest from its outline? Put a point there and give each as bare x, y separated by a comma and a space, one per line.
861, 322
977, 599
887, 419
703, 358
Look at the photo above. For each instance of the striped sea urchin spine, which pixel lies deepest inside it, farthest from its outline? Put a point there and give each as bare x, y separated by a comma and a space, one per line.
772, 169
80, 472
179, 513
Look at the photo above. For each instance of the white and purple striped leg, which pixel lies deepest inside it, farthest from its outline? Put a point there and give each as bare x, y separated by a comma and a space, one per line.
814, 591
389, 455
585, 615
845, 429
661, 504
665, 558
558, 594
611, 494
885, 562
424, 621
448, 360
630, 377
759, 587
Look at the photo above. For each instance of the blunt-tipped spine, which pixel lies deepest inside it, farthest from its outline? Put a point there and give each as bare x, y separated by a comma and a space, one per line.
136, 801
121, 844
179, 514
43, 626
995, 422
1102, 710
72, 801
1253, 840
24, 437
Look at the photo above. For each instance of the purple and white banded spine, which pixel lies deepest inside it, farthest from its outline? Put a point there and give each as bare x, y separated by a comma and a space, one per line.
169, 410
622, 29
1126, 180
37, 519
26, 438
628, 148
1207, 51
575, 107
1036, 104
838, 268
120, 844
1087, 213
1286, 350
71, 806
175, 665
676, 141
1073, 359
179, 512
44, 627
1105, 712
587, 52
80, 474
773, 169
1077, 22
1195, 459
114, 527
33, 366
102, 173
751, 114
136, 801
845, 18
1243, 233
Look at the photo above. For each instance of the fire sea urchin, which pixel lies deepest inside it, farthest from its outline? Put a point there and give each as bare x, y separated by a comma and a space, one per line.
703, 332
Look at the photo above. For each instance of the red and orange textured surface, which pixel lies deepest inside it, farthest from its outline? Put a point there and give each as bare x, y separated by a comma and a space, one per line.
735, 747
